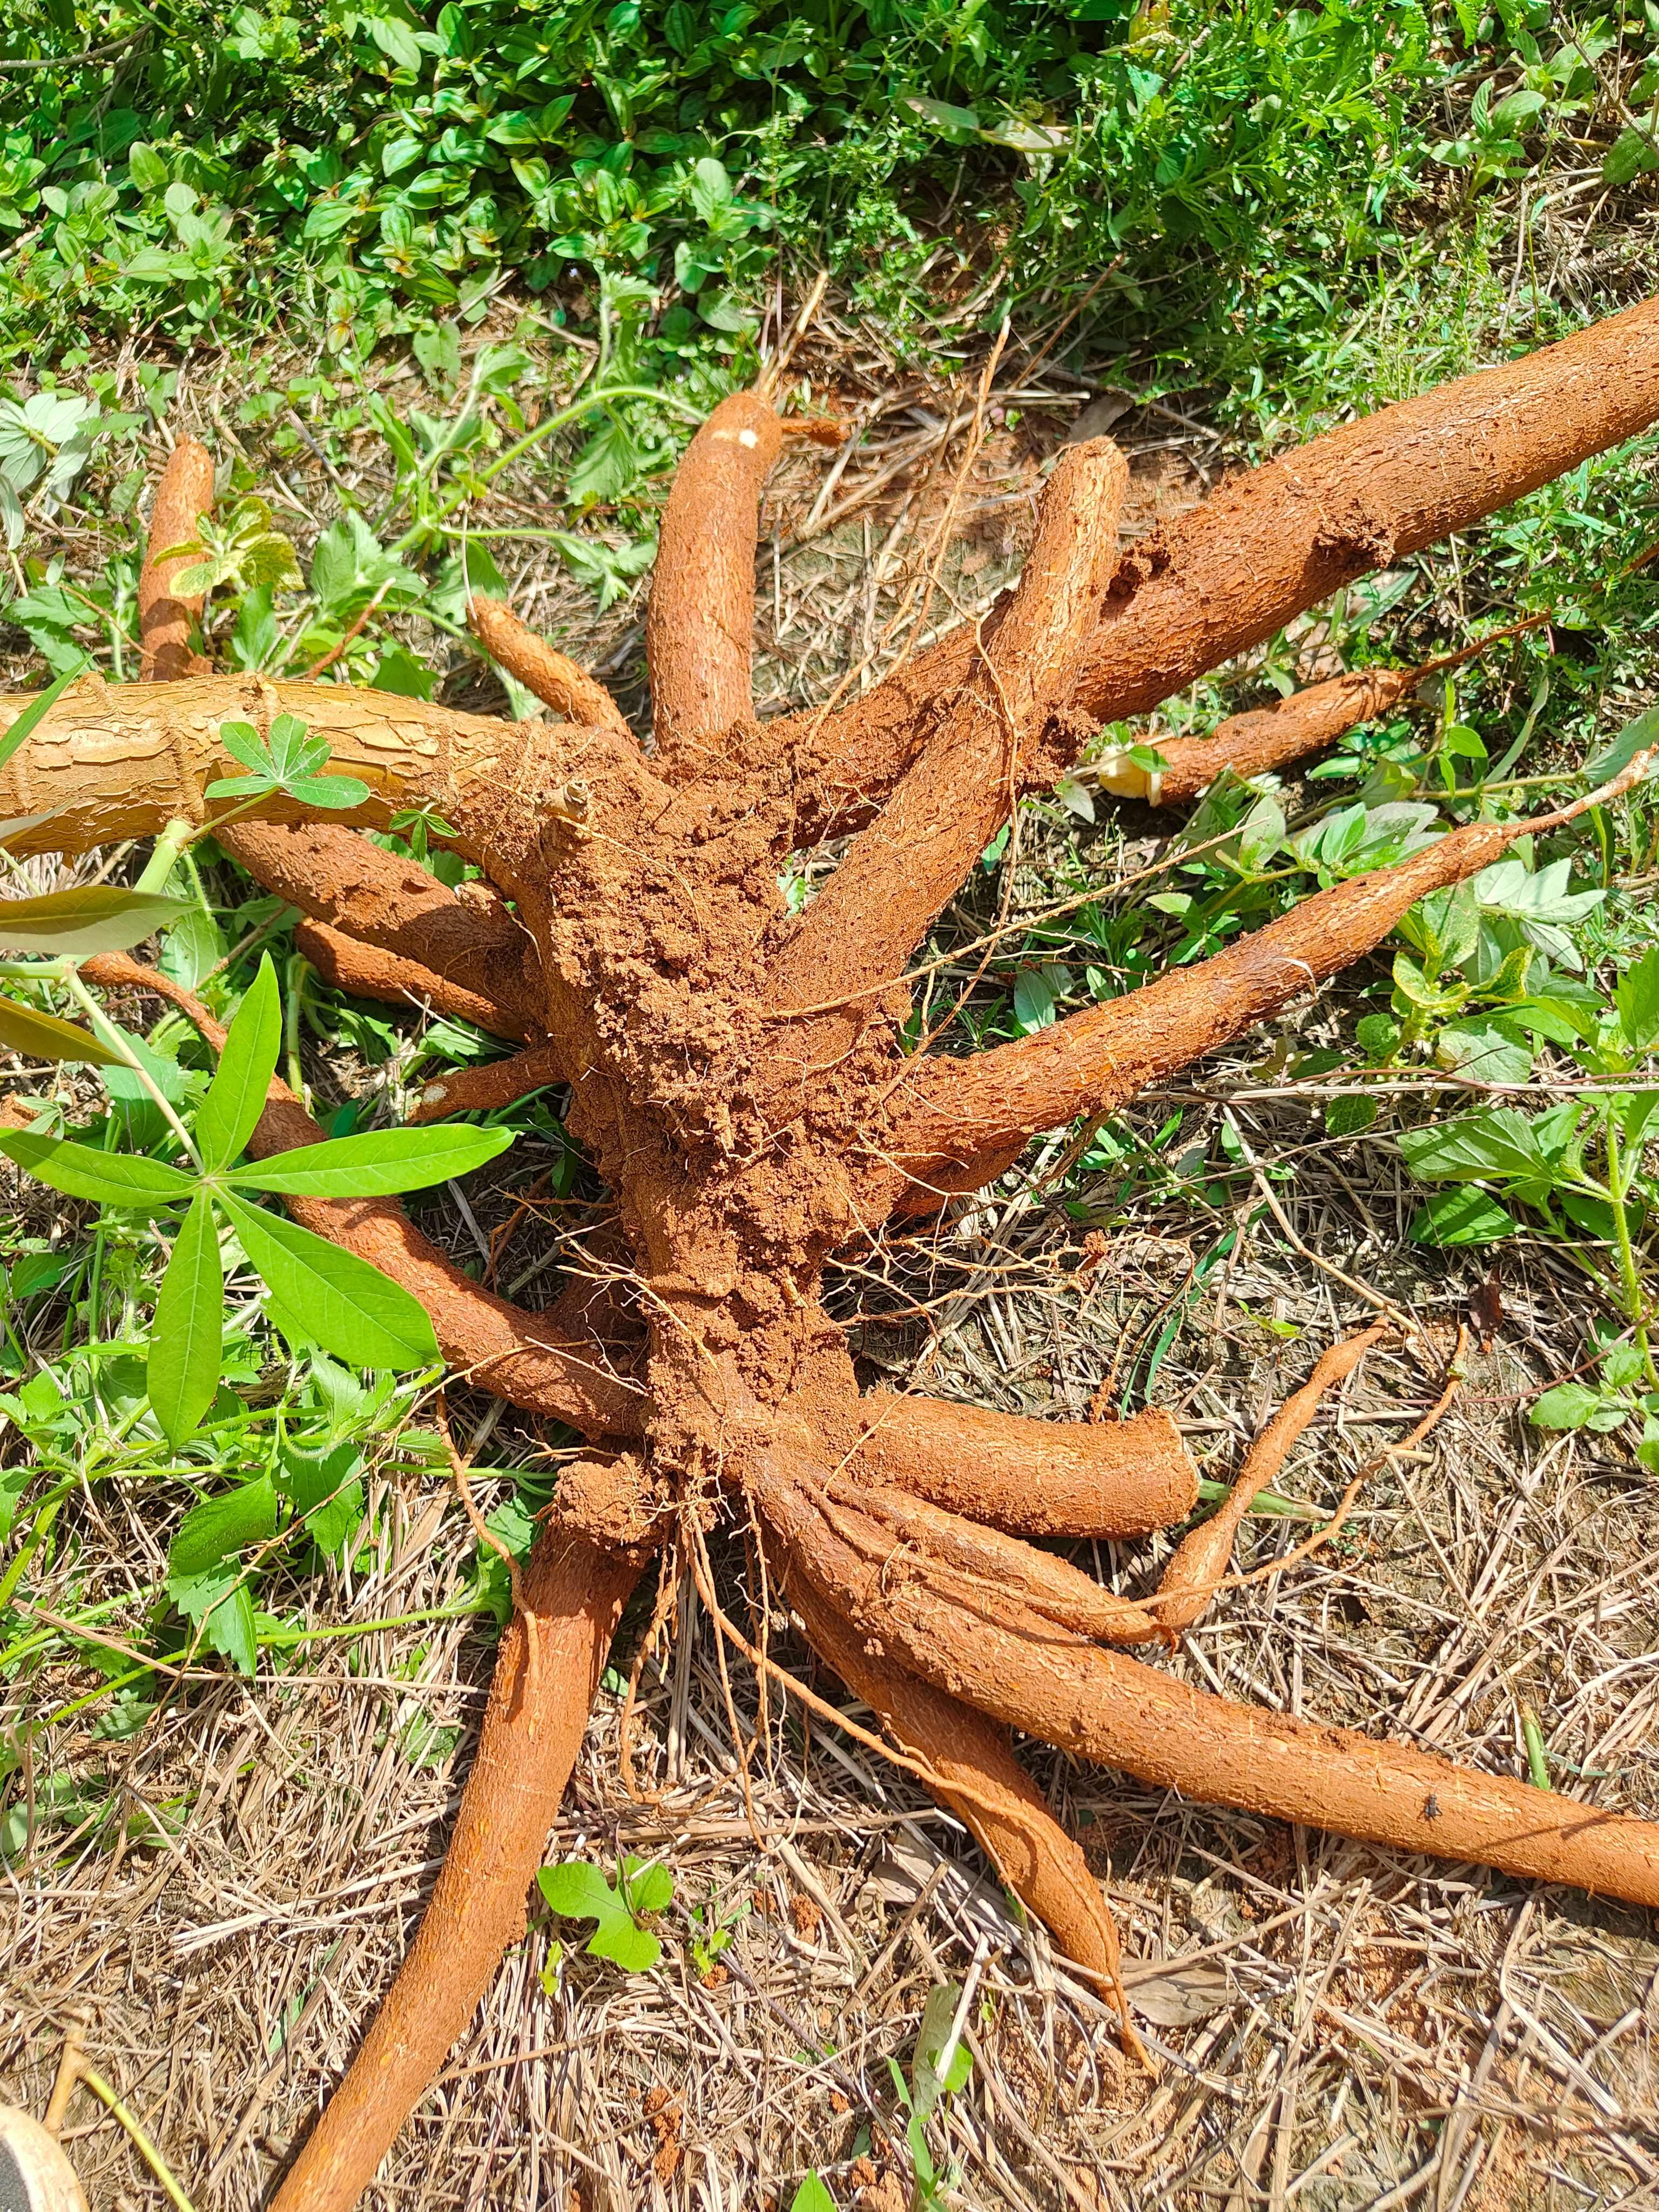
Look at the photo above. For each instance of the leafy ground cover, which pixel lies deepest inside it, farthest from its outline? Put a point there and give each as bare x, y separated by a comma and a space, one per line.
528, 250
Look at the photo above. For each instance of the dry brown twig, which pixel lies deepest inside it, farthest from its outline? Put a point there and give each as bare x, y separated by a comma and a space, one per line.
645, 889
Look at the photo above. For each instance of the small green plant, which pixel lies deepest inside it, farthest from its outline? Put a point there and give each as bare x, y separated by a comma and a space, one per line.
713, 1934
811, 2196
287, 760
938, 2068
576, 1890
320, 1293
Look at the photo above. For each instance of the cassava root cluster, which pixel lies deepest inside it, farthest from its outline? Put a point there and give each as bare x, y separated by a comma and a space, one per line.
737, 1074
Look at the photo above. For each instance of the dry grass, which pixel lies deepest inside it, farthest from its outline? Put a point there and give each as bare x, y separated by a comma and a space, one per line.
1335, 2026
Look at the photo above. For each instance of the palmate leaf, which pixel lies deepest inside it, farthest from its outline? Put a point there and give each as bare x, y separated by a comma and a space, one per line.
236, 1097
44, 1037
124, 1179
375, 1165
339, 1301
187, 1336
94, 918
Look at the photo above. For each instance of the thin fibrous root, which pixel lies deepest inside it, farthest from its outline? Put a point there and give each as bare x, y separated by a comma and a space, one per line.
487, 1089
1193, 1575
900, 872
338, 878
514, 1354
1103, 1705
165, 616
368, 973
1001, 1803
1268, 737
570, 691
1266, 544
532, 1730
1033, 1477
959, 1124
699, 630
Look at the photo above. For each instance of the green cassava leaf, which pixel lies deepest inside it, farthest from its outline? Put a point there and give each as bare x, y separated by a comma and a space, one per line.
336, 1299
123, 1179
187, 1336
236, 1097
35, 1036
375, 1165
94, 918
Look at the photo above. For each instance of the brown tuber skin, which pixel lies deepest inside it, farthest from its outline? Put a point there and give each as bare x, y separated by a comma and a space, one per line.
738, 1077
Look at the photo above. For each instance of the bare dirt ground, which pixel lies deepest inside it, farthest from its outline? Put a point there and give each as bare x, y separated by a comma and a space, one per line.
1335, 2026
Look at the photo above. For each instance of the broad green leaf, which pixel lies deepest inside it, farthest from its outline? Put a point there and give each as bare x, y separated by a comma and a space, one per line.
1497, 1141
1569, 1405
218, 1528
236, 1097
1637, 997
1346, 1117
1461, 1217
375, 1164
35, 712
811, 2196
325, 1489
193, 948
957, 123
1492, 1050
187, 1337
123, 1179
43, 1036
577, 1891
96, 918
348, 1307
1631, 153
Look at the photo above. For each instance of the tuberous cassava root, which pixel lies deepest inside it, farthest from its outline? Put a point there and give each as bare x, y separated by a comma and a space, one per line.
166, 615
699, 627
959, 1124
368, 973
1103, 1706
1267, 738
485, 1090
996, 1797
548, 1667
666, 992
1269, 544
570, 691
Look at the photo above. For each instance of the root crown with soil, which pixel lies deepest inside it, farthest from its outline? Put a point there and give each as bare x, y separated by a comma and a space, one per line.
739, 1077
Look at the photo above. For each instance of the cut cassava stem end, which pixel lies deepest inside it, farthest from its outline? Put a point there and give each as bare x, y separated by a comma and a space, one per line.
999, 1802
956, 1124
166, 616
699, 629
573, 696
1268, 543
532, 1730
